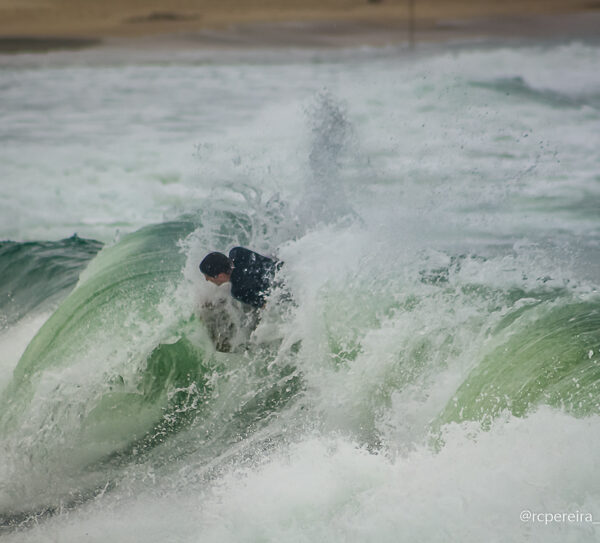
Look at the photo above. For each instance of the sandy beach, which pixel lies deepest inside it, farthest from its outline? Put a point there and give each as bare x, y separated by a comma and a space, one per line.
37, 25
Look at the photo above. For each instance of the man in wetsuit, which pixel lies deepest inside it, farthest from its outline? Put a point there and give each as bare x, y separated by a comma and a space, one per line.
249, 273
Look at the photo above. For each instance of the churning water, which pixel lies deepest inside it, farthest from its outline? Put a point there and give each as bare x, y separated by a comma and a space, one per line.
438, 370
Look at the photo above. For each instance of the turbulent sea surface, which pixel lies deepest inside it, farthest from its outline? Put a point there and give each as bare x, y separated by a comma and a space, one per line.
436, 376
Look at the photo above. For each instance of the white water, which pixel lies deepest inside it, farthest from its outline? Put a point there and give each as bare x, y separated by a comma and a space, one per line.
489, 152
96, 149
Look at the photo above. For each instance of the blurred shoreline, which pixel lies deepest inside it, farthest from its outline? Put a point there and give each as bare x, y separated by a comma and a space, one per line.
40, 26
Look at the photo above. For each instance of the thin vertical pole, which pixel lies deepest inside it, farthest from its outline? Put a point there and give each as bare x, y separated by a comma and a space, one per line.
411, 23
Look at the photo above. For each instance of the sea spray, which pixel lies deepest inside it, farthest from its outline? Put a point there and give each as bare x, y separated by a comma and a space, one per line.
434, 377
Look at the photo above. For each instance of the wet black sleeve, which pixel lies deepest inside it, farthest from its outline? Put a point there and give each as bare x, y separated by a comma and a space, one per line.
245, 258
251, 276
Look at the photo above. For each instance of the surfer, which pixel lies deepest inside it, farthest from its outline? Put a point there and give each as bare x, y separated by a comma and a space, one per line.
249, 273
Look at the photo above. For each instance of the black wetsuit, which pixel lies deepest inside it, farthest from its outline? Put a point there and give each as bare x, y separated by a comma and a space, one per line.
251, 276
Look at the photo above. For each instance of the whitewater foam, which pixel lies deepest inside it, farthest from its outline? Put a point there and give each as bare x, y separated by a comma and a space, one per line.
437, 220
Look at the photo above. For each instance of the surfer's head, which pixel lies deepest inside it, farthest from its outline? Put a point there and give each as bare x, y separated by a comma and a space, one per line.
216, 267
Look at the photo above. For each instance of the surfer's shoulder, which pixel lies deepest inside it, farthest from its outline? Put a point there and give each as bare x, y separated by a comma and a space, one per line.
239, 252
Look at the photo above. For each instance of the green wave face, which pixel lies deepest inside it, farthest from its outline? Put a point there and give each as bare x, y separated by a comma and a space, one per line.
129, 278
97, 368
547, 355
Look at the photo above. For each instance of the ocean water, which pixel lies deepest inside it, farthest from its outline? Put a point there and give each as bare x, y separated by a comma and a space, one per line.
436, 375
